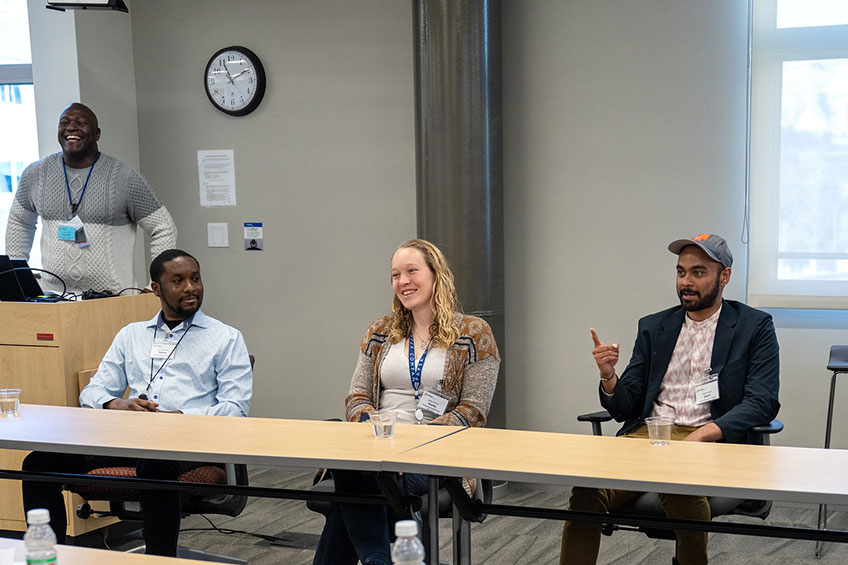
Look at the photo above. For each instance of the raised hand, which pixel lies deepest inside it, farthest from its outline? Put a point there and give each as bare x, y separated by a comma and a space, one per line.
606, 356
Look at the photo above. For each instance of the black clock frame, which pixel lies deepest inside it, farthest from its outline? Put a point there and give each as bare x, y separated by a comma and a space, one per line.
260, 80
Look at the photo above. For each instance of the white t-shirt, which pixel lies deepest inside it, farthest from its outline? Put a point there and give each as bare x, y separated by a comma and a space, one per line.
396, 392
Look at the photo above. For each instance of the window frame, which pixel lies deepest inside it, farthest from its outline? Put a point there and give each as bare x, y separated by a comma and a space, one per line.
771, 47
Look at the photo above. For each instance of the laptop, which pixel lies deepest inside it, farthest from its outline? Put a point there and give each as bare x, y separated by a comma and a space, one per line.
17, 286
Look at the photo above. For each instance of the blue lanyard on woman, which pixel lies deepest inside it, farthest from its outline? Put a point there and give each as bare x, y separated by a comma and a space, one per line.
415, 372
75, 207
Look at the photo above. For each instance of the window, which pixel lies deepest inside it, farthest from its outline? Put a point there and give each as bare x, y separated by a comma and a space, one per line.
19, 142
799, 155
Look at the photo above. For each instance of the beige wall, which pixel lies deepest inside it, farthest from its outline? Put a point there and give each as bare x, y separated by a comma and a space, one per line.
326, 163
623, 130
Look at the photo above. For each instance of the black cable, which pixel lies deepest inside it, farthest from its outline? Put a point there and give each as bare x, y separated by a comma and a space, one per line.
228, 531
120, 292
61, 280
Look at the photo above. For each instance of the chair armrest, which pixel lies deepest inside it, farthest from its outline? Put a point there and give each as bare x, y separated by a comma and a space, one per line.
773, 427
596, 419
760, 435
602, 416
468, 508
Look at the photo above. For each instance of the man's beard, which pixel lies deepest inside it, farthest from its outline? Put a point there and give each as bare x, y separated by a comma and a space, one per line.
703, 302
183, 313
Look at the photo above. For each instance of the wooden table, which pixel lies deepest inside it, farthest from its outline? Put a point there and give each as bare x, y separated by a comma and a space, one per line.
791, 474
43, 347
258, 441
712, 469
70, 555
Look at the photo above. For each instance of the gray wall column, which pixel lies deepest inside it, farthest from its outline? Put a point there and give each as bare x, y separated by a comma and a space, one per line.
459, 179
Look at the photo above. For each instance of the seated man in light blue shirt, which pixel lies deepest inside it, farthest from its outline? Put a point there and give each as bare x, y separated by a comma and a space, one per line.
180, 361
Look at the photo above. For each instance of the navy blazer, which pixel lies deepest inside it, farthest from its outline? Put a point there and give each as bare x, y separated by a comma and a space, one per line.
745, 356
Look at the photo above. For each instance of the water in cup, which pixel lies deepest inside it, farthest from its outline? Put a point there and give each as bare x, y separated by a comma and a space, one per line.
9, 398
384, 429
383, 423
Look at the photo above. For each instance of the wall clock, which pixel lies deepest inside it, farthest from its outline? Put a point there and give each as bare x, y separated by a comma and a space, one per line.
235, 80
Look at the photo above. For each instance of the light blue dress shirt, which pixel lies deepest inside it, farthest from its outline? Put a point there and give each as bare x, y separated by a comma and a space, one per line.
207, 373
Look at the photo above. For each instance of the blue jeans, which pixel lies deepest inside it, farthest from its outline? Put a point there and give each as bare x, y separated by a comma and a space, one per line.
360, 532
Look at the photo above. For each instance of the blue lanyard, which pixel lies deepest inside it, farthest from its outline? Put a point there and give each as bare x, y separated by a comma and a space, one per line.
75, 207
415, 372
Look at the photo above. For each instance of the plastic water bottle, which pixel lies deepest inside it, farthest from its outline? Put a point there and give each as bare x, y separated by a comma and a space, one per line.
407, 549
39, 539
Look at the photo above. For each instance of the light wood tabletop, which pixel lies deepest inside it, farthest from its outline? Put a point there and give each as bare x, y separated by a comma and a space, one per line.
714, 469
220, 439
70, 555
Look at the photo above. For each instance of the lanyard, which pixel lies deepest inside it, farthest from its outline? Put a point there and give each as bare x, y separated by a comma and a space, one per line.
152, 374
75, 207
415, 372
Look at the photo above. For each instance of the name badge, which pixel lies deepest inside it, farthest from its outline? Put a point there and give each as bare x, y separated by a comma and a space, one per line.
433, 402
73, 230
67, 233
161, 349
707, 390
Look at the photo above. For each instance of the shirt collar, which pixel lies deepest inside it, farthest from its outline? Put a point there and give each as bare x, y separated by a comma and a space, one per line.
711, 321
200, 320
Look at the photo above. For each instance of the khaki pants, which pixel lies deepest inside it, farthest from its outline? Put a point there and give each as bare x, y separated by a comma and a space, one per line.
581, 540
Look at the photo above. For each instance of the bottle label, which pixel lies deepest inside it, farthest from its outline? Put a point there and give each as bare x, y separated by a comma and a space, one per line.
48, 561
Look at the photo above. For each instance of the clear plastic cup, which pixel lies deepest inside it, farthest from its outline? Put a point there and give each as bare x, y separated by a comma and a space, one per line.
659, 430
383, 422
9, 399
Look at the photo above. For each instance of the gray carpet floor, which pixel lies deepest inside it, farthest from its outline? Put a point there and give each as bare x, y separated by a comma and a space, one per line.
498, 540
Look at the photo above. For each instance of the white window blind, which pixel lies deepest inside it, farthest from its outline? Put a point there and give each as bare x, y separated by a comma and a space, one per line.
799, 155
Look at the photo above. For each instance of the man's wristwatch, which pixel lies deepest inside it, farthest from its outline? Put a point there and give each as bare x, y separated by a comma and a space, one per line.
609, 378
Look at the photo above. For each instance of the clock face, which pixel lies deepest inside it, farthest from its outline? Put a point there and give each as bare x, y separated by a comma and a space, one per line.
235, 80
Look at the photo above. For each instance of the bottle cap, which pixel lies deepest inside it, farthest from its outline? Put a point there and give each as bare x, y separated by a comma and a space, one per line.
406, 528
38, 516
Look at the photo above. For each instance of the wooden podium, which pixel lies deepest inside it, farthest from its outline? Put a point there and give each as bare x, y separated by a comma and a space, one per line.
43, 348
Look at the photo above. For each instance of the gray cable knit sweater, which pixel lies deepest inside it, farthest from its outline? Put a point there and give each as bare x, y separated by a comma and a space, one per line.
116, 200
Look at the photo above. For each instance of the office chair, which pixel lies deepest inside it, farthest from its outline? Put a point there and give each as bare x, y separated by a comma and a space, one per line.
649, 503
124, 503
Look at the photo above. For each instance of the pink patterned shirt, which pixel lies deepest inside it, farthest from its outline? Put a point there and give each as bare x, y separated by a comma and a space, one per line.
689, 362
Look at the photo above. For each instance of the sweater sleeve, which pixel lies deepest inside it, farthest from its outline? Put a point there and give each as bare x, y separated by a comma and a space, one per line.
20, 229
479, 370
361, 399
151, 215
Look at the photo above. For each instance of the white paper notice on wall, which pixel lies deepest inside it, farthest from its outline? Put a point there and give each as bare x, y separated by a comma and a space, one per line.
217, 235
216, 172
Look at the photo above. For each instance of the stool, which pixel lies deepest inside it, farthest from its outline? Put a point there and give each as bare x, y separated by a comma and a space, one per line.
838, 363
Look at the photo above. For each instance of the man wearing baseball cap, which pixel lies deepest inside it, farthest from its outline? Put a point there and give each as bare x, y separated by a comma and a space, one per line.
711, 365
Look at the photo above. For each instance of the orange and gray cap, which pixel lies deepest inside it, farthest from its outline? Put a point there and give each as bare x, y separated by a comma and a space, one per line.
713, 245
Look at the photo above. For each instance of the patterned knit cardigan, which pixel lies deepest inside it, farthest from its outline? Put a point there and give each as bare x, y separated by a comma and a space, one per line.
470, 373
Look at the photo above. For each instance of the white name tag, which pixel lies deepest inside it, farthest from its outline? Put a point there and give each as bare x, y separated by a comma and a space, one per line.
161, 349
707, 391
433, 402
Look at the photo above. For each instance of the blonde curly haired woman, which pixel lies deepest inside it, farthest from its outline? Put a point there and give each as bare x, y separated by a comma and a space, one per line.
426, 346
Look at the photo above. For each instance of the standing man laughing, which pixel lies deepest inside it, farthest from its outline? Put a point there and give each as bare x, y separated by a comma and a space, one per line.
90, 204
